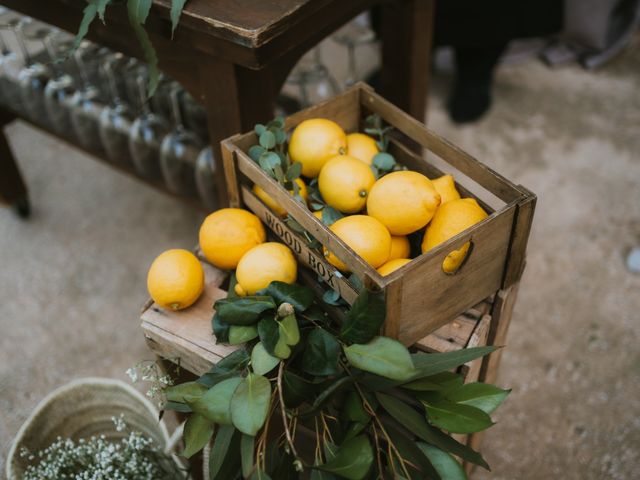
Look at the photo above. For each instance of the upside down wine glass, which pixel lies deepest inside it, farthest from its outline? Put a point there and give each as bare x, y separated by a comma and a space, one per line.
61, 87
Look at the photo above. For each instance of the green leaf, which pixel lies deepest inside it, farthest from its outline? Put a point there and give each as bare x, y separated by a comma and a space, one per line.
382, 356
331, 297
278, 121
255, 152
321, 353
230, 366
177, 393
428, 364
247, 445
220, 329
294, 171
269, 161
281, 137
259, 475
176, 11
330, 215
365, 318
268, 140
326, 395
353, 460
353, 409
298, 296
197, 432
295, 389
243, 310
224, 459
93, 8
410, 453
269, 333
443, 381
384, 161
457, 418
282, 350
250, 404
239, 334
289, 330
415, 423
259, 129
138, 10
261, 361
215, 405
177, 407
480, 395
446, 466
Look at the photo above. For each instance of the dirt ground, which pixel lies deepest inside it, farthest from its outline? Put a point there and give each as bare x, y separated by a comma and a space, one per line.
72, 278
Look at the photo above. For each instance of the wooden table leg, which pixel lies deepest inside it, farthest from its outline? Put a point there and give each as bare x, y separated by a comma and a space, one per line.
13, 190
407, 33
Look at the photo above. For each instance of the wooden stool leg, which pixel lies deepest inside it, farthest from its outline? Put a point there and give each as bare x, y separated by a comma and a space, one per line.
13, 190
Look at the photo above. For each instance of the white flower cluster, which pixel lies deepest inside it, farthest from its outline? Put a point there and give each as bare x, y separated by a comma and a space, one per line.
134, 457
149, 371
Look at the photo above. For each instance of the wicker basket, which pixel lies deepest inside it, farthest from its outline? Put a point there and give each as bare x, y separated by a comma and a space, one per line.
81, 409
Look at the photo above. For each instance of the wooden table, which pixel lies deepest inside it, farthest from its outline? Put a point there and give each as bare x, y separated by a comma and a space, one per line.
234, 56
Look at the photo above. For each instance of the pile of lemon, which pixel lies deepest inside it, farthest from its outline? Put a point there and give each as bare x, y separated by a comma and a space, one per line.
379, 214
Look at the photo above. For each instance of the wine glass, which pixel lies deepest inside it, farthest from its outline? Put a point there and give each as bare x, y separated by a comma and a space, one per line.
179, 151
145, 136
352, 35
10, 63
195, 116
115, 119
206, 178
312, 79
61, 87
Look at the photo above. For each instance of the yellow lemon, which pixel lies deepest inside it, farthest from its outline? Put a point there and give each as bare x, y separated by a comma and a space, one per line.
272, 204
366, 236
403, 201
362, 147
318, 214
344, 183
392, 266
400, 247
227, 234
175, 279
264, 264
450, 219
315, 141
446, 187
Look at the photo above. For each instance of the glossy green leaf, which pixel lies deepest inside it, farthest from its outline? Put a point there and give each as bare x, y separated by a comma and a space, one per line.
247, 445
243, 310
428, 364
224, 460
267, 139
353, 460
289, 330
353, 408
382, 356
296, 390
415, 423
259, 475
176, 11
326, 394
197, 432
177, 393
282, 350
250, 404
215, 405
365, 318
484, 396
91, 10
298, 296
269, 333
138, 10
239, 334
261, 361
456, 417
230, 366
220, 329
447, 467
416, 462
444, 381
321, 353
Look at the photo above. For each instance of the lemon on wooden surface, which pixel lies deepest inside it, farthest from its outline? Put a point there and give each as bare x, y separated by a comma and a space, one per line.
275, 206
175, 279
345, 182
392, 266
362, 147
264, 264
227, 234
366, 236
315, 141
403, 201
446, 187
451, 219
400, 247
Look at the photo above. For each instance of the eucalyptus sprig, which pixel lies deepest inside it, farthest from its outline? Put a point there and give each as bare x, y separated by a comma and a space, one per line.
374, 409
383, 162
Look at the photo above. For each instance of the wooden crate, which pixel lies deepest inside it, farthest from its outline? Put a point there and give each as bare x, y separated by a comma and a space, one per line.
420, 297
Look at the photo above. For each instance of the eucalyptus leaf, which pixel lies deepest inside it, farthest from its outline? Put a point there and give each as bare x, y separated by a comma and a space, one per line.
365, 318
268, 161
321, 353
177, 393
457, 418
279, 174
331, 297
267, 139
255, 152
278, 121
289, 330
247, 445
294, 171
242, 333
250, 404
259, 129
330, 215
197, 433
215, 405
384, 161
353, 460
480, 395
269, 333
261, 361
281, 137
230, 366
446, 466
224, 460
298, 296
428, 364
243, 310
176, 11
382, 356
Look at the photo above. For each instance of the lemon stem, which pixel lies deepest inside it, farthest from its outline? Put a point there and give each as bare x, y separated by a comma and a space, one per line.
363, 193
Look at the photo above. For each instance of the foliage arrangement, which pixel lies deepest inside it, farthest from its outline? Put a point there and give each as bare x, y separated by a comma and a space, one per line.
133, 457
137, 11
307, 395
